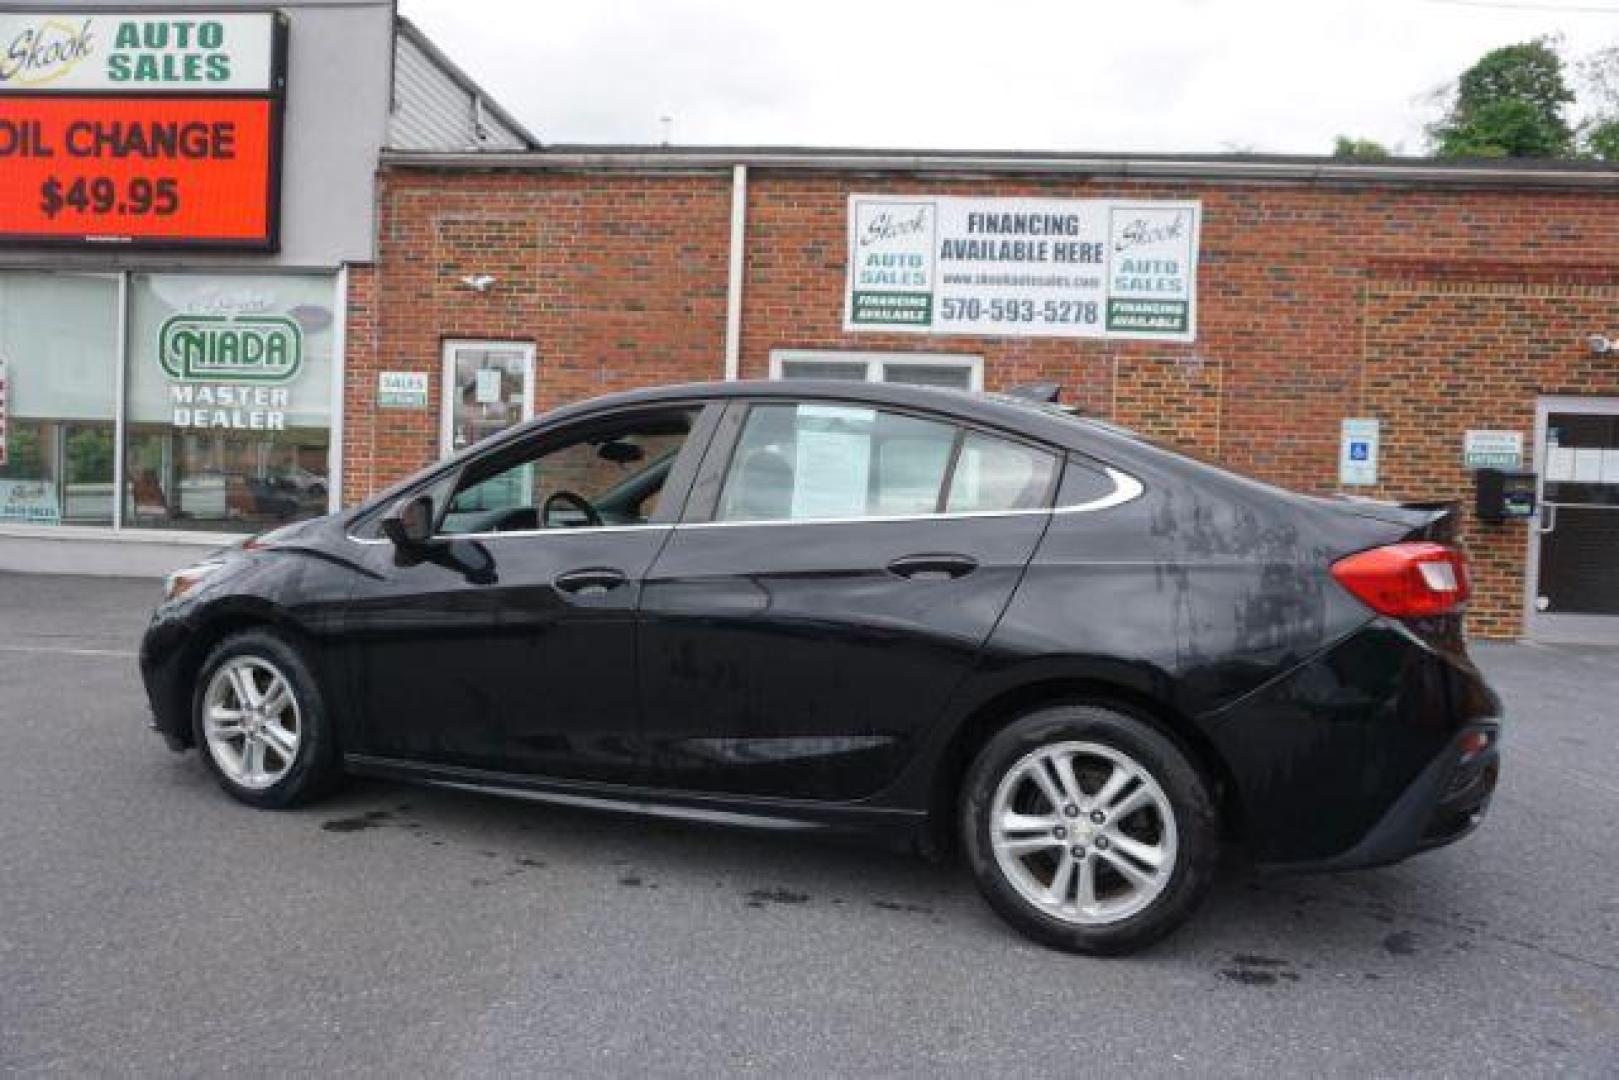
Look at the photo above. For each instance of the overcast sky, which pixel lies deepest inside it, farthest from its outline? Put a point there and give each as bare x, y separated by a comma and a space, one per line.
1280, 76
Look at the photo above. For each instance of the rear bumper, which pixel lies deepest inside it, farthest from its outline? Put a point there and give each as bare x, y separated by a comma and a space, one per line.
1446, 802
1363, 754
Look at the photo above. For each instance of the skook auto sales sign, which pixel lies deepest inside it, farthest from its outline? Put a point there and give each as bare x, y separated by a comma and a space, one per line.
1083, 268
142, 127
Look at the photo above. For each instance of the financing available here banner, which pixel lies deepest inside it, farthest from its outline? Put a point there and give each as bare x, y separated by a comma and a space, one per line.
1083, 268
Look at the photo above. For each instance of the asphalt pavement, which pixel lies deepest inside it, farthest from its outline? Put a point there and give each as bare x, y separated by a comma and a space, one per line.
150, 925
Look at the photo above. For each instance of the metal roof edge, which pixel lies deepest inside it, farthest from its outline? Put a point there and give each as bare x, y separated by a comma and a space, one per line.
466, 82
1146, 167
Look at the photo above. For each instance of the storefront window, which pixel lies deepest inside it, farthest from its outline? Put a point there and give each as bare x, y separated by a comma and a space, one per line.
914, 369
59, 351
229, 397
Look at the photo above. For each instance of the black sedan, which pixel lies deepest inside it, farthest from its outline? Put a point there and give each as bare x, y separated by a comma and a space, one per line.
953, 620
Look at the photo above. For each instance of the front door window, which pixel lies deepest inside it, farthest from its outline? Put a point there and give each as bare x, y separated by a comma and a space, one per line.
612, 474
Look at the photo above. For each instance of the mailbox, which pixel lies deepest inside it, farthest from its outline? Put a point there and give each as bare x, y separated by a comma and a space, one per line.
1504, 494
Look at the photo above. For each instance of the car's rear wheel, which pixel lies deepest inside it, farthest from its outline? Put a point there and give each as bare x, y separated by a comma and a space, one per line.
1088, 829
260, 722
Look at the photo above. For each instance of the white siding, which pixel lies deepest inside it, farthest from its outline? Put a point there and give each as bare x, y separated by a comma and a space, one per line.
433, 110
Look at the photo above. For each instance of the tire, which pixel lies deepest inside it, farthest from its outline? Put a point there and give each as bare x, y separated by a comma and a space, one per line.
266, 756
1017, 841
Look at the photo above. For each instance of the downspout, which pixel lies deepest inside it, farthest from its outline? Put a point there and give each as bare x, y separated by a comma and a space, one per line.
733, 292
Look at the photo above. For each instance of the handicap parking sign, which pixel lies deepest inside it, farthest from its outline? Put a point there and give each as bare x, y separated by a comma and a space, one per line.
1357, 452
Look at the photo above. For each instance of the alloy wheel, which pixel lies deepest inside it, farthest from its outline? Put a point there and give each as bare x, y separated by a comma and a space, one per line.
252, 721
1083, 832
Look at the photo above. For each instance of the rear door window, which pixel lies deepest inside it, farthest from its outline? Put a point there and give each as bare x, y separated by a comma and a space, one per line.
998, 474
796, 462
819, 461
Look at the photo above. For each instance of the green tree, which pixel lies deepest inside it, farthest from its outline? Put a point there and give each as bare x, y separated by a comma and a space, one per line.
1599, 92
1600, 139
1354, 149
1509, 104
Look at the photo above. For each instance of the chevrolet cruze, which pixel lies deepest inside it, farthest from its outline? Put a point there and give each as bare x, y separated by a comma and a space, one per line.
956, 621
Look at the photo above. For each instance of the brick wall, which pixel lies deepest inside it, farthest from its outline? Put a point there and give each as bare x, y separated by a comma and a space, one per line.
619, 281
1433, 310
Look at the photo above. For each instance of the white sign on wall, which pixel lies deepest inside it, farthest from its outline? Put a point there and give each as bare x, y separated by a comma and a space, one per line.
402, 389
32, 502
1492, 449
1357, 452
1082, 268
131, 52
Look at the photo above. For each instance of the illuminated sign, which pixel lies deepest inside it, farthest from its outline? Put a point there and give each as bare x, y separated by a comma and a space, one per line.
141, 128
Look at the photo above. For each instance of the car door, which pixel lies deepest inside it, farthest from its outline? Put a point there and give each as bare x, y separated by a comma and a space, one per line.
838, 570
509, 642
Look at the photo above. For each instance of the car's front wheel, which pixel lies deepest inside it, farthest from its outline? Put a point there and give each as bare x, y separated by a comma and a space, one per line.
260, 722
1088, 829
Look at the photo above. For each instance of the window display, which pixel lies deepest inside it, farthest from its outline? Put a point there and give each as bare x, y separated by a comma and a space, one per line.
229, 393
227, 398
59, 348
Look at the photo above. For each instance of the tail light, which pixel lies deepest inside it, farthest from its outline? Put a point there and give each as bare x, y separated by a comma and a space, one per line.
1408, 581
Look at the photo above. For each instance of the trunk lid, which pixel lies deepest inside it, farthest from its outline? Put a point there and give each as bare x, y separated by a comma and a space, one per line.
1437, 520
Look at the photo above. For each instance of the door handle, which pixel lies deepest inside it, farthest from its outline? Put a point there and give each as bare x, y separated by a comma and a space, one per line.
1548, 519
592, 581
932, 567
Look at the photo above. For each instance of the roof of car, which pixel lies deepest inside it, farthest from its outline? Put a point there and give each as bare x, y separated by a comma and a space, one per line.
997, 410
1033, 419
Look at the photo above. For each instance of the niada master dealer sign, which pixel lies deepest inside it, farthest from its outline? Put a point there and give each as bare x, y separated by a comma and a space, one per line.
230, 371
1083, 268
141, 127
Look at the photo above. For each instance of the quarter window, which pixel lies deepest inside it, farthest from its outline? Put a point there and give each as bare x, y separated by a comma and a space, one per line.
1084, 482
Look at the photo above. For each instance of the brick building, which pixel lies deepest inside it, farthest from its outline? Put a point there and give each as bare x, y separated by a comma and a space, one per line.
173, 252
399, 269
1434, 299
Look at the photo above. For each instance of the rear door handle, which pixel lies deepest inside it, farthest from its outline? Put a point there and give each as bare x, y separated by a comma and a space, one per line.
932, 567
591, 581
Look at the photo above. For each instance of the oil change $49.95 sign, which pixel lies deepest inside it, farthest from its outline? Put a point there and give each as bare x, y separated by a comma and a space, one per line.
140, 127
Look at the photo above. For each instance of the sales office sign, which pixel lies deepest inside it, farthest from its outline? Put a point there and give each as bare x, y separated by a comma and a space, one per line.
140, 127
1082, 268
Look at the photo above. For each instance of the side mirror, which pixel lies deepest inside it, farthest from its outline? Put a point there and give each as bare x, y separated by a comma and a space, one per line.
620, 453
410, 523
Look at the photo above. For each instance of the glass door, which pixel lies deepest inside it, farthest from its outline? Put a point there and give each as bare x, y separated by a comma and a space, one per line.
488, 387
1574, 583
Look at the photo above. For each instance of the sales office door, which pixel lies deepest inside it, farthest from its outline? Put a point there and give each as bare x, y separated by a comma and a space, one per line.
1574, 545
488, 387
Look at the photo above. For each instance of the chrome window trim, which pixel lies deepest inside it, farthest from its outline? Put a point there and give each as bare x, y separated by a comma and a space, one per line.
1126, 488
589, 530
